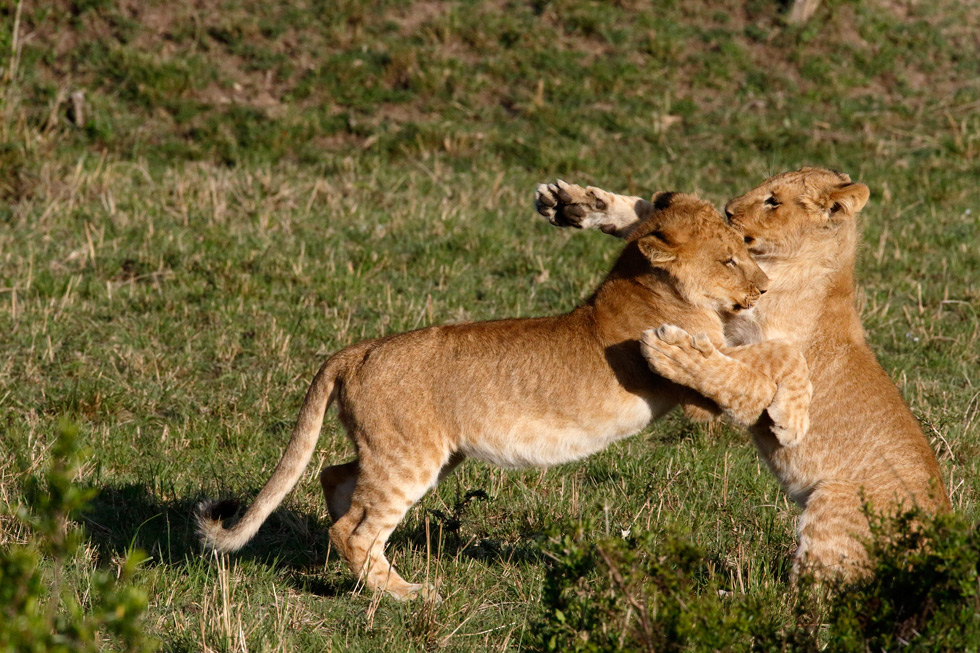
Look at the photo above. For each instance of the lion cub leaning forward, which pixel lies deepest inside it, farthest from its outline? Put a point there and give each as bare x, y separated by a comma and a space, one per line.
520, 392
864, 444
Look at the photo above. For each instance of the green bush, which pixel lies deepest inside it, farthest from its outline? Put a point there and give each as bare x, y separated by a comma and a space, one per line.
924, 591
37, 612
643, 594
658, 594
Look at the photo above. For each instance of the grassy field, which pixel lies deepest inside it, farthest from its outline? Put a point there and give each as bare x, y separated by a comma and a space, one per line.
245, 188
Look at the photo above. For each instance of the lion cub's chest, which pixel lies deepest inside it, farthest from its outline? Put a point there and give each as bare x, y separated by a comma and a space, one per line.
510, 438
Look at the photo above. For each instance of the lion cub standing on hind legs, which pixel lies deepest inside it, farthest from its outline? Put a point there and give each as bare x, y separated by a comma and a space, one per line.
864, 445
521, 392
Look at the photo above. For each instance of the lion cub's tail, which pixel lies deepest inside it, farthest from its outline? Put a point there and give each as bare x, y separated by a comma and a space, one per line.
209, 514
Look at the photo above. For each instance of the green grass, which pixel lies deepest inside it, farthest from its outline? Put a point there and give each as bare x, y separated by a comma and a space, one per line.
255, 187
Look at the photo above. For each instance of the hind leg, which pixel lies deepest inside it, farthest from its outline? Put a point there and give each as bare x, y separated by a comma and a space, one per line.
385, 490
338, 483
832, 530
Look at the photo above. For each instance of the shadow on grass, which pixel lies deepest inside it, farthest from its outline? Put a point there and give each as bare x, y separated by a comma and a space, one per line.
445, 534
295, 543
130, 516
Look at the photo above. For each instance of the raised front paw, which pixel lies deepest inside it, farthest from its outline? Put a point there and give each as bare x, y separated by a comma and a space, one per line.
674, 354
568, 205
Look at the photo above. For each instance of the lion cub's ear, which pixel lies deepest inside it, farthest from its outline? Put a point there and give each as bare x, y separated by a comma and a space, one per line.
838, 202
845, 201
659, 247
848, 199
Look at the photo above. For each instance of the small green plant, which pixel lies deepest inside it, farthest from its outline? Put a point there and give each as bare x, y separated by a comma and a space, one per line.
651, 594
37, 611
924, 591
646, 593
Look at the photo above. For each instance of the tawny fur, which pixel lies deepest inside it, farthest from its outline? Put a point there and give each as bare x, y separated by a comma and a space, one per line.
864, 447
515, 393
746, 374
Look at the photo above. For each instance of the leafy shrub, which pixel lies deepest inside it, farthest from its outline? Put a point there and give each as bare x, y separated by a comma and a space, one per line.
924, 591
36, 612
640, 594
654, 594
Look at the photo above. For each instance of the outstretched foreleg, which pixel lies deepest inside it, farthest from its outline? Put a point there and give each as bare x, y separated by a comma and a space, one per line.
570, 205
743, 381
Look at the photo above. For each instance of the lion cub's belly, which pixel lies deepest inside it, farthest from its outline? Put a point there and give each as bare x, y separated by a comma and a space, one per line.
510, 439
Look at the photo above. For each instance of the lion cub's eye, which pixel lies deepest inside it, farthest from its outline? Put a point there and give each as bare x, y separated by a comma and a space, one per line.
730, 262
771, 202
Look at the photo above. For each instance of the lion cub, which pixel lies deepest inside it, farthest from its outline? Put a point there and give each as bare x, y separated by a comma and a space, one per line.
519, 392
864, 444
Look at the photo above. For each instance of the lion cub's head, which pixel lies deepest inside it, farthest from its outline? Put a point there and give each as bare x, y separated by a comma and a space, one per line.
787, 211
703, 256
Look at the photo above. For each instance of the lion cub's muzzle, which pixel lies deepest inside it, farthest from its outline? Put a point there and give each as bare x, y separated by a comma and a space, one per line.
749, 300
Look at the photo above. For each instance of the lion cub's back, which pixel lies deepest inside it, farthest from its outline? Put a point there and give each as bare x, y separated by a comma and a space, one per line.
513, 392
